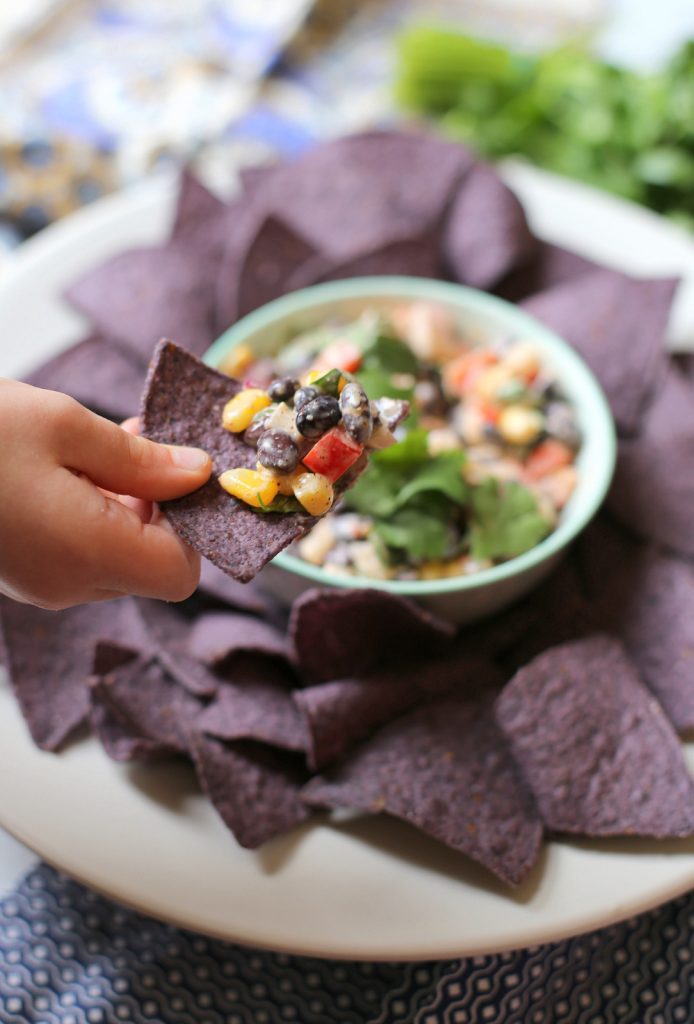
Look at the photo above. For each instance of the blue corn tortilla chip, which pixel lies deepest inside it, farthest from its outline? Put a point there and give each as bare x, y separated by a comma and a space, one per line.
486, 233
98, 373
549, 265
201, 220
50, 659
414, 257
671, 410
217, 586
594, 745
216, 636
349, 197
648, 600
600, 553
254, 702
138, 295
652, 492
182, 404
254, 788
356, 194
339, 713
148, 705
268, 265
618, 324
338, 633
560, 613
167, 632
119, 741
446, 769
253, 176
109, 656
115, 733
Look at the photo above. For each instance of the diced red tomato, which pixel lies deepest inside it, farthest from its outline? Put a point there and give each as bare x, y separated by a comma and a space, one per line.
459, 376
548, 457
340, 354
490, 412
333, 454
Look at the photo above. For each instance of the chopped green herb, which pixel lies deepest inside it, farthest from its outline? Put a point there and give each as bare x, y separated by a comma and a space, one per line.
504, 520
565, 110
391, 355
282, 503
329, 383
397, 475
417, 531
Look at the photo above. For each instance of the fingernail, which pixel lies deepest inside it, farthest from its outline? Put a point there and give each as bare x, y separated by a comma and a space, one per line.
189, 458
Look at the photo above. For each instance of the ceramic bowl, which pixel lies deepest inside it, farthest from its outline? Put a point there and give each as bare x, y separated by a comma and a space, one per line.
461, 599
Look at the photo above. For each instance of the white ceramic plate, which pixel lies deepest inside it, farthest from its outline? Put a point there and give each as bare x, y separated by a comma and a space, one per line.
370, 888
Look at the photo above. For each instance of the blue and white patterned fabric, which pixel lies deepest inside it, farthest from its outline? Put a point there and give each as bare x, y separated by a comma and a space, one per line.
69, 956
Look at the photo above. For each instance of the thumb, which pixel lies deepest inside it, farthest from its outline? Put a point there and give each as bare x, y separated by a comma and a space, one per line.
119, 461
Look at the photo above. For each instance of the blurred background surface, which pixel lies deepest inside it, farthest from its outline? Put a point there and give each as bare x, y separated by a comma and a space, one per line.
96, 95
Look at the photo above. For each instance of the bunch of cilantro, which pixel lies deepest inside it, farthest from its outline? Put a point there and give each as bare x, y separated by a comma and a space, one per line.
565, 110
423, 509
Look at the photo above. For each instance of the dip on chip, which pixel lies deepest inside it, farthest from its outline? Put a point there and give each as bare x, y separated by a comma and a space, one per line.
271, 480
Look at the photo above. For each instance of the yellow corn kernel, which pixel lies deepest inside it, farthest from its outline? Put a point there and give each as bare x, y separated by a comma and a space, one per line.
314, 492
492, 381
518, 425
237, 361
285, 481
240, 410
248, 485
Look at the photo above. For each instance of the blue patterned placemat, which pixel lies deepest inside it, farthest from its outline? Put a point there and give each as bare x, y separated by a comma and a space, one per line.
70, 956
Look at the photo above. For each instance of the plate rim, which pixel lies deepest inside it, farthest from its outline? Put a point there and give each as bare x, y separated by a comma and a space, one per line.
153, 194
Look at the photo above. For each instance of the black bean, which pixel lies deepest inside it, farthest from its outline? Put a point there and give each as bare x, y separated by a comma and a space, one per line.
304, 395
356, 412
276, 450
561, 423
282, 390
316, 417
257, 426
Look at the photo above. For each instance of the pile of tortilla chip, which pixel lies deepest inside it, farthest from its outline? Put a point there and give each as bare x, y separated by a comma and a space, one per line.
561, 716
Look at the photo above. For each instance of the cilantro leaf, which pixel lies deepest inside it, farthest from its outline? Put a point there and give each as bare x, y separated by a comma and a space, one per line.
329, 383
378, 383
406, 471
408, 453
505, 520
384, 358
417, 531
391, 355
443, 474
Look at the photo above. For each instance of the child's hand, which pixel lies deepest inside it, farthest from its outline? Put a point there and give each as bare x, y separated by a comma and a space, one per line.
65, 534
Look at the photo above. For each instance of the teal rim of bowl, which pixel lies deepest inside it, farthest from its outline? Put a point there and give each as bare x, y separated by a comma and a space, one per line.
596, 412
